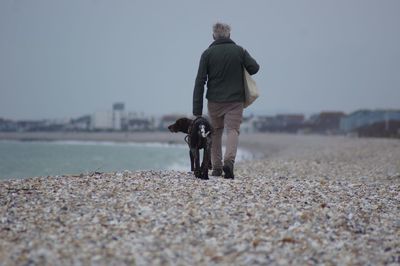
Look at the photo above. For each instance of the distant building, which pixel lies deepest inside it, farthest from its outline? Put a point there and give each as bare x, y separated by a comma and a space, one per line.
374, 123
117, 118
139, 122
289, 122
7, 125
290, 119
110, 120
264, 124
40, 125
119, 107
118, 115
102, 120
80, 124
362, 118
383, 129
325, 122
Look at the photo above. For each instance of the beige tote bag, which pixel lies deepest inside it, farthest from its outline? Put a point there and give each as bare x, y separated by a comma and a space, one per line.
250, 89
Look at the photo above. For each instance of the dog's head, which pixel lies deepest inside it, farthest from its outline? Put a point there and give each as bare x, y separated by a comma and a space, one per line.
181, 125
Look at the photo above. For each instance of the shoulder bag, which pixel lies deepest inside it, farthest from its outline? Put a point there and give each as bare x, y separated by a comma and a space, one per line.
250, 89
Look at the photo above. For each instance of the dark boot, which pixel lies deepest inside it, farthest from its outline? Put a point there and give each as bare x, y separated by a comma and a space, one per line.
216, 172
228, 170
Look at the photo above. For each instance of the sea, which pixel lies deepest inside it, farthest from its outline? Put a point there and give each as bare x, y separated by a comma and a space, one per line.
22, 159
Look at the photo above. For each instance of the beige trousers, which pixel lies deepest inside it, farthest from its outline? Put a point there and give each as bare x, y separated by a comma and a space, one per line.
223, 115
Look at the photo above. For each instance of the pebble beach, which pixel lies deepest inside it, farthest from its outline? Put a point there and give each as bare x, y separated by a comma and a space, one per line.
303, 200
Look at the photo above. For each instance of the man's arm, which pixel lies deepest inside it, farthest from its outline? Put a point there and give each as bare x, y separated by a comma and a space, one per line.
198, 91
250, 64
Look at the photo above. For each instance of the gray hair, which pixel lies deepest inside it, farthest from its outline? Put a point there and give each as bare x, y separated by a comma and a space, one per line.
221, 30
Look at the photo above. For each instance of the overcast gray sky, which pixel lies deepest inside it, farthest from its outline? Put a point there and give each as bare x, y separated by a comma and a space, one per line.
73, 57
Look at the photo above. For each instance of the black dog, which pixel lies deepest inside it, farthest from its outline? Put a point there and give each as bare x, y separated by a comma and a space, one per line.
198, 137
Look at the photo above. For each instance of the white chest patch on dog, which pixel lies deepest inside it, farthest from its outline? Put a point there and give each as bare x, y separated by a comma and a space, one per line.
203, 132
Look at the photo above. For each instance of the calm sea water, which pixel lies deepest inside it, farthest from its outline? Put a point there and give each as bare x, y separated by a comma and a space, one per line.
38, 158
20, 159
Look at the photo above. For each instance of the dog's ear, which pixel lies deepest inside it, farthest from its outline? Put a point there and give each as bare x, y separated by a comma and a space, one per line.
184, 124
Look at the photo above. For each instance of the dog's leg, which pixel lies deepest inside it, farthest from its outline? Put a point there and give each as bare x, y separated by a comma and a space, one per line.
204, 164
197, 163
204, 157
191, 160
195, 156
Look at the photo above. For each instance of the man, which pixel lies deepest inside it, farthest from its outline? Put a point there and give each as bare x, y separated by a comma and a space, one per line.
221, 67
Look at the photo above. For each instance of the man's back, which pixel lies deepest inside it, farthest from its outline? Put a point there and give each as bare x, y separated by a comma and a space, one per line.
221, 66
225, 72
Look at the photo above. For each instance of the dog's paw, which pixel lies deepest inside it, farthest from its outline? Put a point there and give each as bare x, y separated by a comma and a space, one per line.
197, 174
204, 175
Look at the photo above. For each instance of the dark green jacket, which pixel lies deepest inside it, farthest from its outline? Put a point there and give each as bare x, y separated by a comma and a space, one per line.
221, 67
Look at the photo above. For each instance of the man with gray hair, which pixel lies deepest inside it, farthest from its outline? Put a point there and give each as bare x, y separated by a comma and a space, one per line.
221, 68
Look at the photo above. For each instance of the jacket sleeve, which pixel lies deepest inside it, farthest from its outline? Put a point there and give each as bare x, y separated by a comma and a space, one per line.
198, 92
250, 64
